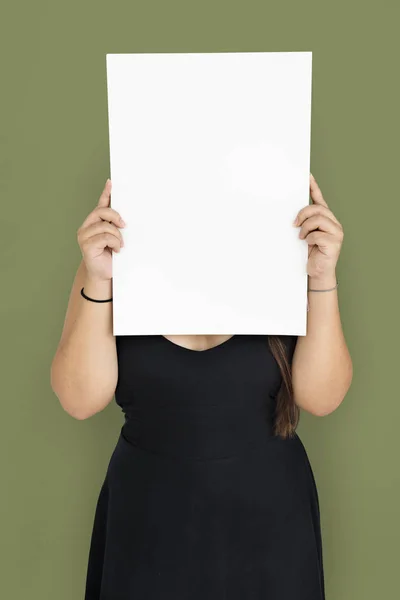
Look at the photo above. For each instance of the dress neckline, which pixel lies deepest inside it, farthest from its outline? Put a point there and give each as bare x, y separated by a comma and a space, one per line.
191, 351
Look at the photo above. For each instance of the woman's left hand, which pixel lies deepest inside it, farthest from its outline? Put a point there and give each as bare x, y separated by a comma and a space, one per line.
323, 234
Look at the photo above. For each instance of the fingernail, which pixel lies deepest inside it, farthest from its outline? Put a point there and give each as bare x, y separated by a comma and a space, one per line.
122, 222
295, 222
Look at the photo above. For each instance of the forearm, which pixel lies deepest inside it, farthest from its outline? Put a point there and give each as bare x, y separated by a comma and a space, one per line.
322, 366
84, 370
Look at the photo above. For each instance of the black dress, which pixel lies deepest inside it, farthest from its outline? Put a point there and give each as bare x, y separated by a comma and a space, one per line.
200, 501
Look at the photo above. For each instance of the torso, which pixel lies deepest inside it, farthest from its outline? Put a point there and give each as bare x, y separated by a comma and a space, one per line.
198, 342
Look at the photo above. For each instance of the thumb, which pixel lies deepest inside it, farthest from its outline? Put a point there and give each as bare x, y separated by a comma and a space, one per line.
105, 196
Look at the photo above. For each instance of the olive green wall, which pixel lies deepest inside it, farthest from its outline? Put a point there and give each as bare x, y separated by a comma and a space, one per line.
53, 164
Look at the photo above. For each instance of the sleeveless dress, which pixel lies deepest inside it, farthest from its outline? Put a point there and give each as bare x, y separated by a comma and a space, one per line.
200, 500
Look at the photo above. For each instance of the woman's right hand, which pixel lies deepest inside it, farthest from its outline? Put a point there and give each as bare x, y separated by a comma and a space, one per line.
99, 235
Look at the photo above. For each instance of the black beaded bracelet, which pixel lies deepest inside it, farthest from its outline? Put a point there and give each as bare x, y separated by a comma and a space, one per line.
92, 299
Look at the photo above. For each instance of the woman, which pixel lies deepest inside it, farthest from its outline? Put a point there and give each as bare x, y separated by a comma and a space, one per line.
209, 493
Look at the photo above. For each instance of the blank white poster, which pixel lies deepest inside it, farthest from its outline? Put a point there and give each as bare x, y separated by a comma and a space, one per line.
210, 163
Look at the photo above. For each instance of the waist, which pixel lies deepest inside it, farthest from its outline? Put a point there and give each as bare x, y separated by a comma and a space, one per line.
196, 434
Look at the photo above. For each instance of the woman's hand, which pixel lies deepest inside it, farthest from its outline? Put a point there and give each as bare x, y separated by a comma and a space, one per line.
323, 233
99, 235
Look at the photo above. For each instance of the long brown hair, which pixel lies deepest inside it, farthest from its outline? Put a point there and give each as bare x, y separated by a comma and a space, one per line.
287, 413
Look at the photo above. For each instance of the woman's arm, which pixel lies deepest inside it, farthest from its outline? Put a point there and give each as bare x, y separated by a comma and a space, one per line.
322, 369
84, 370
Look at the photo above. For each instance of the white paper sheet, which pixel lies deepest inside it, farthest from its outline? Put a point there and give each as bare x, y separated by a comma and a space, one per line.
210, 162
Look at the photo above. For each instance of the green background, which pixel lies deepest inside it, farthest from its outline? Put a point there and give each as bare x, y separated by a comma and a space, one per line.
54, 162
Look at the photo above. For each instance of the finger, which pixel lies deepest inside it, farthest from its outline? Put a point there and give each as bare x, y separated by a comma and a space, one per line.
96, 228
100, 242
105, 197
321, 239
104, 213
314, 209
315, 192
321, 223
